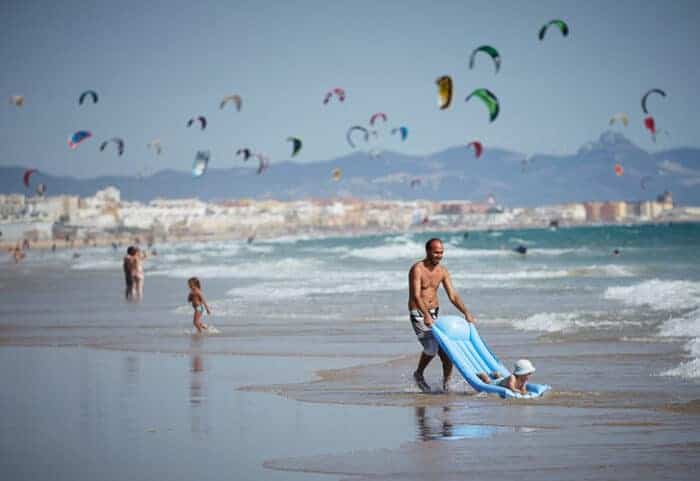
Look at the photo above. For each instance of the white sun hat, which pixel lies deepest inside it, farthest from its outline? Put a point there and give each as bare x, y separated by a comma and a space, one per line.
522, 367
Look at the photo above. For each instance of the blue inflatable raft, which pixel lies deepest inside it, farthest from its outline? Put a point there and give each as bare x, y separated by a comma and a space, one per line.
463, 345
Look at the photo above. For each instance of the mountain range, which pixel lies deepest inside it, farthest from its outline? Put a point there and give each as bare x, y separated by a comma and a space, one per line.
513, 179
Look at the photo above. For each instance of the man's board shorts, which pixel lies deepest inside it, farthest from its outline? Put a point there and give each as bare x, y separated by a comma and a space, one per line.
423, 332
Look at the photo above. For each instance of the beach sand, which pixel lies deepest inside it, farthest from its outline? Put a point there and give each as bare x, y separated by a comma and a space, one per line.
98, 388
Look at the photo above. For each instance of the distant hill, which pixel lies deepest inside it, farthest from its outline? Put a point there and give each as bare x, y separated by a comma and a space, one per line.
455, 173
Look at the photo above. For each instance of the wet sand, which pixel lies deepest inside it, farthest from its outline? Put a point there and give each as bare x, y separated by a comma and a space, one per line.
102, 389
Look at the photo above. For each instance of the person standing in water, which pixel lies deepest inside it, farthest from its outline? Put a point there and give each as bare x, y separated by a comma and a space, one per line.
137, 272
199, 304
127, 265
424, 279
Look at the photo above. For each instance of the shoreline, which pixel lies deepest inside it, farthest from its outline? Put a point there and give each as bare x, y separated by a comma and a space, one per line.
126, 239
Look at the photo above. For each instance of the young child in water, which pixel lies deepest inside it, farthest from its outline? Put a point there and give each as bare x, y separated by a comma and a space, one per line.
517, 382
199, 304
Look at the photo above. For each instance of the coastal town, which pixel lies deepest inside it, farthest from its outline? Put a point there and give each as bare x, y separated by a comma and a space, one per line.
105, 217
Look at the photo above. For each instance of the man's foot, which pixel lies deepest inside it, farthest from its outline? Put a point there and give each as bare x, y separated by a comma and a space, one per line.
420, 382
446, 387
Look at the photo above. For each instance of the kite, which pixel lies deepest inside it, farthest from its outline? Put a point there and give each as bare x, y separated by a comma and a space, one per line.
376, 116
296, 145
116, 140
78, 137
444, 84
358, 128
27, 174
488, 49
246, 153
415, 183
264, 163
489, 99
620, 117
478, 148
200, 164
650, 125
402, 130
155, 144
619, 170
201, 119
644, 97
338, 92
17, 100
558, 23
236, 99
91, 93
337, 174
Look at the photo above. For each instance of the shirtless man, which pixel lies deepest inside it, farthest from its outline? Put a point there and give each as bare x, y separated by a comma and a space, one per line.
424, 278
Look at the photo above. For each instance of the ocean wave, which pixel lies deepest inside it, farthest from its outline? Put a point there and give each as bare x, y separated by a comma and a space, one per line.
313, 285
96, 264
287, 268
568, 321
658, 294
685, 370
687, 325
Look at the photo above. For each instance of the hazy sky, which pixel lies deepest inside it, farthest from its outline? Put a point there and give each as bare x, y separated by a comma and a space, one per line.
157, 64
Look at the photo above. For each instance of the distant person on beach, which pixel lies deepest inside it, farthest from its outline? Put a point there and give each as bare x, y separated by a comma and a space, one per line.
127, 265
17, 253
137, 272
424, 279
199, 304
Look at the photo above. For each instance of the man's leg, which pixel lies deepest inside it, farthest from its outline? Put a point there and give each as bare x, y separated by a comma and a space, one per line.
418, 375
446, 369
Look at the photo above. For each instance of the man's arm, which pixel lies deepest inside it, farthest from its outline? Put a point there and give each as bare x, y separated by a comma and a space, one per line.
455, 299
414, 280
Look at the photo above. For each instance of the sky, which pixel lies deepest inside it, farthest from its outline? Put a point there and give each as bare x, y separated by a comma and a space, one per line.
157, 64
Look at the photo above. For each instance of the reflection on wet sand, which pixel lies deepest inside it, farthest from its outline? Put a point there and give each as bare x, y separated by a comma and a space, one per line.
198, 396
436, 424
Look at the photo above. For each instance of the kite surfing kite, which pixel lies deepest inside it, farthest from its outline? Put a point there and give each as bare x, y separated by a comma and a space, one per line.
296, 142
201, 119
27, 174
337, 174
644, 98
155, 144
563, 27
650, 125
620, 117
356, 128
489, 99
246, 153
489, 50
378, 115
619, 170
200, 164
400, 130
478, 148
88, 93
116, 140
17, 100
263, 163
236, 99
444, 84
415, 183
78, 137
338, 92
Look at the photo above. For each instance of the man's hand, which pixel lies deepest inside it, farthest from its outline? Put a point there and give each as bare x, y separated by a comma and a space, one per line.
428, 321
468, 316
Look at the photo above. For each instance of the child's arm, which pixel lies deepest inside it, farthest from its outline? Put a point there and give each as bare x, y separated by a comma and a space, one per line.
204, 301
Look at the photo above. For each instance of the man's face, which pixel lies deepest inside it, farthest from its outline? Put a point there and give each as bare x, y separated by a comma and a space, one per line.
435, 253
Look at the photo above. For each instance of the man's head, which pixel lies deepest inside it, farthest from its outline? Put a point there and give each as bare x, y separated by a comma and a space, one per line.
434, 251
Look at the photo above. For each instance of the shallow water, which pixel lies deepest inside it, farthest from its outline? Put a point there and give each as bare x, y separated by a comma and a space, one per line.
309, 368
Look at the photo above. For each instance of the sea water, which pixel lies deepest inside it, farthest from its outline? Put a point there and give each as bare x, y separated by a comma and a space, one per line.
628, 283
